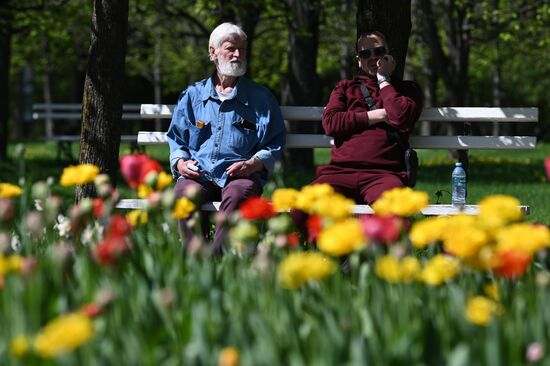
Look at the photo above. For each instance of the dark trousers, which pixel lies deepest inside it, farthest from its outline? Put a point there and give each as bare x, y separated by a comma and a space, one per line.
231, 196
363, 186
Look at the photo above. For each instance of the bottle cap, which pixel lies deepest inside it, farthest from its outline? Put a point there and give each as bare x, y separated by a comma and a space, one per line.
458, 164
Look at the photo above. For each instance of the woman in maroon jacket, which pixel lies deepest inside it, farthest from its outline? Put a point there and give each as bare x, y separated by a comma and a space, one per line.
367, 157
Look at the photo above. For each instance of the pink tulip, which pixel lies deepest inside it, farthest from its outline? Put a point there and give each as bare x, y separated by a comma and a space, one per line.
382, 229
547, 167
135, 167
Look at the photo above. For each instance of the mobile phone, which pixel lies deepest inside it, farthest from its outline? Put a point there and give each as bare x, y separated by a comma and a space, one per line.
192, 167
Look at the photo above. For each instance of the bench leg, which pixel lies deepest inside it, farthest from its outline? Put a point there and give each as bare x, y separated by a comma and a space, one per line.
463, 158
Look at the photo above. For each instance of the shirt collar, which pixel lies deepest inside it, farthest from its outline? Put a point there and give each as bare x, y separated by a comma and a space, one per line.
210, 92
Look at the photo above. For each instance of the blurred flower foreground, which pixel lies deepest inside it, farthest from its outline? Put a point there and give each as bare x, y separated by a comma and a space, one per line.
90, 284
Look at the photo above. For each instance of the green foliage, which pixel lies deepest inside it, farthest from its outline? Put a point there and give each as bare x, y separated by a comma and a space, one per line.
165, 305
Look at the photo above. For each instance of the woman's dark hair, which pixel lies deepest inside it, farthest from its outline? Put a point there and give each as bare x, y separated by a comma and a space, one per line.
373, 33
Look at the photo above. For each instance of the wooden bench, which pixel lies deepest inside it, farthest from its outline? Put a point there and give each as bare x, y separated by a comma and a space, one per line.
73, 112
464, 115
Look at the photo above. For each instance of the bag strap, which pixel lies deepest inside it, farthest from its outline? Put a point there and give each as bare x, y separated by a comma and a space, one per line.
368, 98
372, 106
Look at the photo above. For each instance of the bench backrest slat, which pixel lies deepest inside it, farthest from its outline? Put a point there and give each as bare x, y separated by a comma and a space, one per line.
40, 107
443, 114
77, 115
296, 140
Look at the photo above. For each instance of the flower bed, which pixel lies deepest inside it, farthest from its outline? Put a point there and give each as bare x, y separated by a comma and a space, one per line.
85, 284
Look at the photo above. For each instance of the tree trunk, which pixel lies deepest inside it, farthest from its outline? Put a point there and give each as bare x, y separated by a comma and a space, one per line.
453, 66
47, 91
157, 77
393, 18
302, 86
6, 19
102, 100
497, 84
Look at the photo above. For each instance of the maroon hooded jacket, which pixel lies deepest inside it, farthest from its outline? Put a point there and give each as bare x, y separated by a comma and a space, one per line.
360, 146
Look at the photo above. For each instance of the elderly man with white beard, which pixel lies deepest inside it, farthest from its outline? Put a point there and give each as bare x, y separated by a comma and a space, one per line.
226, 133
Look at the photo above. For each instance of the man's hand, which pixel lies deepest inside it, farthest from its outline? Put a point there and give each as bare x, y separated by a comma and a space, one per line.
245, 168
185, 171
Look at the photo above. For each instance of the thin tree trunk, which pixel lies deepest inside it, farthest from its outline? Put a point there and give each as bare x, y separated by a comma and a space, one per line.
47, 91
102, 101
6, 17
302, 86
497, 86
157, 78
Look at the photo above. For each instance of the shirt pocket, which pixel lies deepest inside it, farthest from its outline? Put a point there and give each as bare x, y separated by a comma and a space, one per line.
244, 134
198, 136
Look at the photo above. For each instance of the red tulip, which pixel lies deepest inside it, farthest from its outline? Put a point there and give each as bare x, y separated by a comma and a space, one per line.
118, 226
98, 208
110, 249
292, 240
512, 264
257, 208
314, 226
92, 310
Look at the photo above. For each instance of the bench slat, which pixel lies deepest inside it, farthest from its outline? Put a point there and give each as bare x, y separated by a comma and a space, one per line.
77, 115
443, 114
418, 142
75, 138
76, 107
430, 210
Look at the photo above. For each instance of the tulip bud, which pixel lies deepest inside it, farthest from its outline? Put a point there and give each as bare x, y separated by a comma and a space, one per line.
151, 178
164, 297
102, 179
63, 253
154, 200
5, 242
7, 212
85, 206
52, 208
34, 223
535, 352
192, 192
19, 150
40, 191
279, 224
104, 297
168, 199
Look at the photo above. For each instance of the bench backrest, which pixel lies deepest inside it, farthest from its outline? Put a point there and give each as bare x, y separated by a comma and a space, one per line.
73, 111
436, 115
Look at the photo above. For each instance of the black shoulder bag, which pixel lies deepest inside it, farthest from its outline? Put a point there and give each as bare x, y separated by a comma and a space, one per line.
410, 157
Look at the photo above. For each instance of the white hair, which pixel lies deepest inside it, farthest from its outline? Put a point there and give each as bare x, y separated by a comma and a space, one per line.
222, 33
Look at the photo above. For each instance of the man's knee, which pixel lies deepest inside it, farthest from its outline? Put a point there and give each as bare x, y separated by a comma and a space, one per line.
188, 188
238, 190
242, 188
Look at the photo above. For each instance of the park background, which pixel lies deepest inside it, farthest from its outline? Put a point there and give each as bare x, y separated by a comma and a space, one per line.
463, 53
153, 302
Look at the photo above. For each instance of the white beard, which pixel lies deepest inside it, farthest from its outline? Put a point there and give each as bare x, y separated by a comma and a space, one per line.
232, 68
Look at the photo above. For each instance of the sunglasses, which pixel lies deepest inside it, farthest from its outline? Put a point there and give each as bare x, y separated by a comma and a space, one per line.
378, 51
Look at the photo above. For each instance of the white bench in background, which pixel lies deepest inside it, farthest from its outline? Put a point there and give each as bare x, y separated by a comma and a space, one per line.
73, 112
435, 115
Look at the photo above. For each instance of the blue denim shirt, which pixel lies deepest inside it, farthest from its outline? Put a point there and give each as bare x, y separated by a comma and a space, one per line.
217, 134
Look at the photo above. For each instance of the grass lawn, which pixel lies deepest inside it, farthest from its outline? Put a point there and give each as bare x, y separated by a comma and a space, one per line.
517, 173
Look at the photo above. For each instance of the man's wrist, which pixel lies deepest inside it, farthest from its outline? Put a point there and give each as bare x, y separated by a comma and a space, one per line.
257, 163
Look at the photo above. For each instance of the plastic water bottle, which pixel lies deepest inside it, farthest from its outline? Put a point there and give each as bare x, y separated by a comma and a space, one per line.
458, 186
